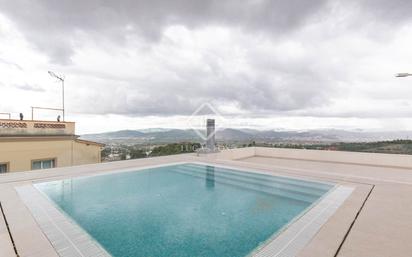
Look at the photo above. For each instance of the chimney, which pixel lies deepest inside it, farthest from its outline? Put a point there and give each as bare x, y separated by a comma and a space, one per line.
210, 133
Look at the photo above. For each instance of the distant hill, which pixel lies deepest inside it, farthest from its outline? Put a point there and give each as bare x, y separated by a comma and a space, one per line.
115, 134
389, 146
234, 135
244, 135
173, 135
145, 136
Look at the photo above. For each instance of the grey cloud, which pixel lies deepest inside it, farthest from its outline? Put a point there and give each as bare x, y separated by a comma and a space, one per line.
11, 64
269, 86
377, 114
27, 87
53, 26
182, 96
392, 11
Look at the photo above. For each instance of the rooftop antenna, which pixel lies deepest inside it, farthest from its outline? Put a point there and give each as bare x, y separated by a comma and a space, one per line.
61, 78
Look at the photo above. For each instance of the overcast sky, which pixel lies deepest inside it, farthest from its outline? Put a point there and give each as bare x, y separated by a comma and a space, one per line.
289, 64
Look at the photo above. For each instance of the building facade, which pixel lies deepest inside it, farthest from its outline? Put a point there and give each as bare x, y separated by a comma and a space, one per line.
30, 145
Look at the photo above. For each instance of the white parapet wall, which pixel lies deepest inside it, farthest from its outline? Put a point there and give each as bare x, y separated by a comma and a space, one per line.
35, 128
371, 159
374, 159
232, 154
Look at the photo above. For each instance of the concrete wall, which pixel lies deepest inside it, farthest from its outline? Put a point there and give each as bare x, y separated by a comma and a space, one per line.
35, 127
67, 152
86, 153
373, 159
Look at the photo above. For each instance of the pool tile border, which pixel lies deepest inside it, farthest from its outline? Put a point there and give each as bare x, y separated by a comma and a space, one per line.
69, 240
296, 236
66, 237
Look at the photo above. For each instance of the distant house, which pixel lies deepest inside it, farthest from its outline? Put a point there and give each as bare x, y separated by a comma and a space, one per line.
32, 144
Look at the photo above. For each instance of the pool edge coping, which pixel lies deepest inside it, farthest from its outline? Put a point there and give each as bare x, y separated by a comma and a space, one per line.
299, 232
73, 241
268, 247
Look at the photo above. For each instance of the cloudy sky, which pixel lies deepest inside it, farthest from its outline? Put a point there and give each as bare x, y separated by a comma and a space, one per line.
285, 64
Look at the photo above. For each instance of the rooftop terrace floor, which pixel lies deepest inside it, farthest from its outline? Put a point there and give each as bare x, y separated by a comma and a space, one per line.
374, 221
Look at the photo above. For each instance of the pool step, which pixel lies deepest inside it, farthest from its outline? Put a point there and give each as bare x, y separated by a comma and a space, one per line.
301, 183
299, 196
269, 181
254, 187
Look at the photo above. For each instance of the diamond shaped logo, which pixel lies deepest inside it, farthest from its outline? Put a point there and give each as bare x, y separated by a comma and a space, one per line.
197, 121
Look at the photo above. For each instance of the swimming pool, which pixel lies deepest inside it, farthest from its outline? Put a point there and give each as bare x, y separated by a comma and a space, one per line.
185, 210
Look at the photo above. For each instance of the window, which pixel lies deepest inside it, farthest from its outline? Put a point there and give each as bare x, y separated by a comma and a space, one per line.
42, 164
4, 167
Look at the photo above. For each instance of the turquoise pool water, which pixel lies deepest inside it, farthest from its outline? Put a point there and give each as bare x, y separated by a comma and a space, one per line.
186, 210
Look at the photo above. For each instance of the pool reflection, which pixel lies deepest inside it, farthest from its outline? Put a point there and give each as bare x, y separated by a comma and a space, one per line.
210, 177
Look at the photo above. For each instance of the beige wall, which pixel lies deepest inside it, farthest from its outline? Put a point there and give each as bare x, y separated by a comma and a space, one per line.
67, 152
86, 153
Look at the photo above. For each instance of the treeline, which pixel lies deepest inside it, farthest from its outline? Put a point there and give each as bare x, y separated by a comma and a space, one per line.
177, 148
126, 152
400, 146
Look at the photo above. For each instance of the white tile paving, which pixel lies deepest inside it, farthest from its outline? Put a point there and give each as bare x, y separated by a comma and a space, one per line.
67, 238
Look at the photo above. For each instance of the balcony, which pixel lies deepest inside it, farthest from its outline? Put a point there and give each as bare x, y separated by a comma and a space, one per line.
35, 128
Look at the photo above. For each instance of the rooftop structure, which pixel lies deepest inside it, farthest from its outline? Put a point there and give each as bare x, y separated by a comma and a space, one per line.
37, 144
372, 220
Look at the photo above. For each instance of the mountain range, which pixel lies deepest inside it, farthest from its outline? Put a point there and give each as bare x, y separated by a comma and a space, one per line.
244, 135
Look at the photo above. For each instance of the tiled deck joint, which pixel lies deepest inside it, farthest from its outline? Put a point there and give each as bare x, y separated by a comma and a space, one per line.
4, 226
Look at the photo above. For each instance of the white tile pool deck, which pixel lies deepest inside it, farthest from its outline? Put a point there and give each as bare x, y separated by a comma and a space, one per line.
369, 223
